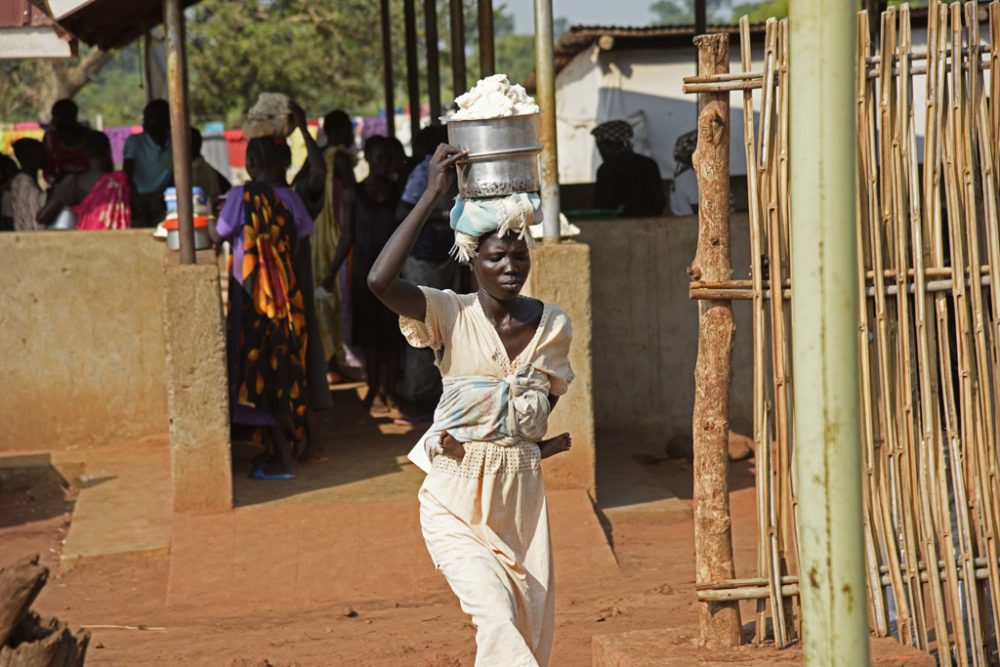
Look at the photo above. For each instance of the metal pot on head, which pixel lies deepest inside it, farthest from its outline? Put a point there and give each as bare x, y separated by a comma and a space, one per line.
503, 155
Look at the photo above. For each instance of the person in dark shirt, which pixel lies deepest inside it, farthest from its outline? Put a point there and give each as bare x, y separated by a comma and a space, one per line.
626, 179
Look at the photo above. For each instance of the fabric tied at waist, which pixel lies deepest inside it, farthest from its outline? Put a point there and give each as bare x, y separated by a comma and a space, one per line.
505, 411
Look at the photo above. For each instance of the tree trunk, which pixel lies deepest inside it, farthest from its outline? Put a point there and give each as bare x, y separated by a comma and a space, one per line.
26, 640
719, 622
45, 643
20, 584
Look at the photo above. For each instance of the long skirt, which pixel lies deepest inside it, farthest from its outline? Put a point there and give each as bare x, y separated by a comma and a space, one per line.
485, 522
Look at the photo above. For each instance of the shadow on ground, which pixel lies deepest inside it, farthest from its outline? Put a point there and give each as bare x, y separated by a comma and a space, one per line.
366, 459
31, 489
633, 473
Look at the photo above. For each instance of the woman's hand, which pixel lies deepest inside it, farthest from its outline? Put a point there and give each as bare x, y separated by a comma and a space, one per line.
299, 114
451, 446
439, 172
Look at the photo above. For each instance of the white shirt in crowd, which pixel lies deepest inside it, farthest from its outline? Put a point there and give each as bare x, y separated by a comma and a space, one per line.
684, 193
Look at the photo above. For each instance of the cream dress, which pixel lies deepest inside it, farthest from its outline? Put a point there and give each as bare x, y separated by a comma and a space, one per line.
484, 519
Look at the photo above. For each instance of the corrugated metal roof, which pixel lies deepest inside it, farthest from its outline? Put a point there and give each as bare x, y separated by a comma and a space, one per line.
580, 37
22, 13
110, 24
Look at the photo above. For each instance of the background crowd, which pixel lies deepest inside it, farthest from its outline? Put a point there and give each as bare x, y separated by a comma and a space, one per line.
300, 314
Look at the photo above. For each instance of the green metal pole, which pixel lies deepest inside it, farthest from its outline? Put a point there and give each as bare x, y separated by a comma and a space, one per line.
824, 332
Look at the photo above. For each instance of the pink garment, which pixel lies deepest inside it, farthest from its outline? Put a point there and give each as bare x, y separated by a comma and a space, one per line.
107, 204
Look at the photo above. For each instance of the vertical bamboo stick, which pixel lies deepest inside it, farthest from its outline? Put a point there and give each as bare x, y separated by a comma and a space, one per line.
899, 110
780, 406
876, 592
762, 441
788, 523
879, 181
956, 207
927, 416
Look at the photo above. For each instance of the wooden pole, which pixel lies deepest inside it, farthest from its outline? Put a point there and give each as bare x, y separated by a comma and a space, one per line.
828, 463
387, 82
180, 128
546, 95
433, 60
487, 64
719, 621
457, 29
412, 72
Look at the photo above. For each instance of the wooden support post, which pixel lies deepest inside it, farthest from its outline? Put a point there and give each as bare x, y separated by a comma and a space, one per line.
487, 65
719, 621
412, 75
433, 59
389, 86
457, 33
180, 125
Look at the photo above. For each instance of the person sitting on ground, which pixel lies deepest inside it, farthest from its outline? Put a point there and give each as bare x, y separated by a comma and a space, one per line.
205, 176
98, 197
149, 165
8, 170
26, 197
266, 334
505, 362
684, 187
64, 142
625, 178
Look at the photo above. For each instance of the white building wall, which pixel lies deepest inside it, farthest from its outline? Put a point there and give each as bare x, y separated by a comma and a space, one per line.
597, 86
605, 85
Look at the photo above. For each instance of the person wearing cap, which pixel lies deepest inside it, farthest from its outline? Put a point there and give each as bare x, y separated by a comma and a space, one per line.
626, 179
684, 187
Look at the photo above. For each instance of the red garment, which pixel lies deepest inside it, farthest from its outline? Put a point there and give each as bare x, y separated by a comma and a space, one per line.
107, 205
62, 160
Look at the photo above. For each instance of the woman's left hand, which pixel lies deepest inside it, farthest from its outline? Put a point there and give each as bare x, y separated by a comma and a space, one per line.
439, 172
451, 446
298, 114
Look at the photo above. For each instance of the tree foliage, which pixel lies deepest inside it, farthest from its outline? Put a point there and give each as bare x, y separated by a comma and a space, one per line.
325, 53
321, 52
28, 88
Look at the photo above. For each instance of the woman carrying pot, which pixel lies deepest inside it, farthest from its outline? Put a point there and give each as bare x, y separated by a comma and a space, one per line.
504, 359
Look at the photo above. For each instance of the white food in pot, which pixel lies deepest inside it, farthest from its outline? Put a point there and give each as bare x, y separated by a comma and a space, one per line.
494, 97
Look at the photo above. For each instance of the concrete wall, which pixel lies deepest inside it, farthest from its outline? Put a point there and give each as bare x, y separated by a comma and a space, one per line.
645, 328
197, 390
81, 339
561, 274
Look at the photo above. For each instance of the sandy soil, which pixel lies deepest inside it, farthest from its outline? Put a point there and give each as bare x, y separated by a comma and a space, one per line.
652, 588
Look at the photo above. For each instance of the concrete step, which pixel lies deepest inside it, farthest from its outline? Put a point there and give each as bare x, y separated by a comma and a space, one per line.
123, 508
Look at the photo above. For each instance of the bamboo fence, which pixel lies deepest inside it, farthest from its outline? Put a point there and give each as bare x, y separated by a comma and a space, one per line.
928, 329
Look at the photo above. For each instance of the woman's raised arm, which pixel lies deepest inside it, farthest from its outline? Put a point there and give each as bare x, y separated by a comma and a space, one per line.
401, 296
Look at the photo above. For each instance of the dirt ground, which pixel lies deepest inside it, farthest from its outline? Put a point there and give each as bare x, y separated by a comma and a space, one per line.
124, 601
